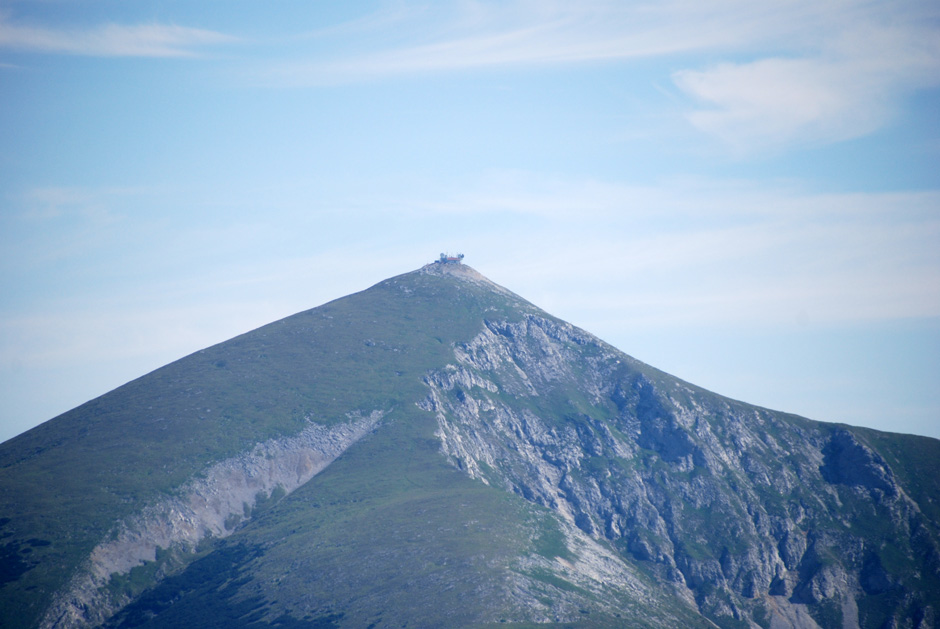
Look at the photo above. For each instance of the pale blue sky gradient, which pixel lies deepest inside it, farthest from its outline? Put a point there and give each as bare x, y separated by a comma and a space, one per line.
743, 194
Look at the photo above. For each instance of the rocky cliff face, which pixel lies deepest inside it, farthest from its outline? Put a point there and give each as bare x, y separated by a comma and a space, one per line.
754, 515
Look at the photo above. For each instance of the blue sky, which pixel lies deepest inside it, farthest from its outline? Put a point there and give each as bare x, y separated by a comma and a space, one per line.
743, 194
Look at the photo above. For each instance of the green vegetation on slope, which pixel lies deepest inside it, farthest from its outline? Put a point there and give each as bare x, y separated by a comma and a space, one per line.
68, 481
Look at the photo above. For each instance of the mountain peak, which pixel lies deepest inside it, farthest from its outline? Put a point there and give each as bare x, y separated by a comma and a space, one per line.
436, 451
454, 267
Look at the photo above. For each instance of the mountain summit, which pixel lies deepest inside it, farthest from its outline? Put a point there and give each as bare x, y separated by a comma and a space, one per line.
437, 452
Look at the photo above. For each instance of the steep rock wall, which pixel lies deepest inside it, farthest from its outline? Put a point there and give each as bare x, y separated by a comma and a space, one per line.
746, 512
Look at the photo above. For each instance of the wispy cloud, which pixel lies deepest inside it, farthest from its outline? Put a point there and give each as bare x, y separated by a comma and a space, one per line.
815, 72
110, 40
697, 252
486, 35
847, 89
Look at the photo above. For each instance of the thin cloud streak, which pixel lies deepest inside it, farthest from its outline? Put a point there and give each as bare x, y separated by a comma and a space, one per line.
837, 70
690, 251
717, 253
525, 33
543, 36
111, 40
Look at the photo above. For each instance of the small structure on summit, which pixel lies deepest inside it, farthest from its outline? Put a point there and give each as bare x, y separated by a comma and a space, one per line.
446, 259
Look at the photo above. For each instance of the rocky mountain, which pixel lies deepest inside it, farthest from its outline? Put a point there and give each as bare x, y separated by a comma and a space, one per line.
437, 452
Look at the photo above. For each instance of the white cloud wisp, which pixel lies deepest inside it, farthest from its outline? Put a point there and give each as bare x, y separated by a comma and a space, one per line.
111, 40
850, 89
816, 73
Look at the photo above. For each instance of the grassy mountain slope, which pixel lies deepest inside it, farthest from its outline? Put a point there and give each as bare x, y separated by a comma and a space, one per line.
69, 480
522, 471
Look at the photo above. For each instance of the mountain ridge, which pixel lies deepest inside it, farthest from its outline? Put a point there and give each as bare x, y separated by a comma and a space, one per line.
635, 497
